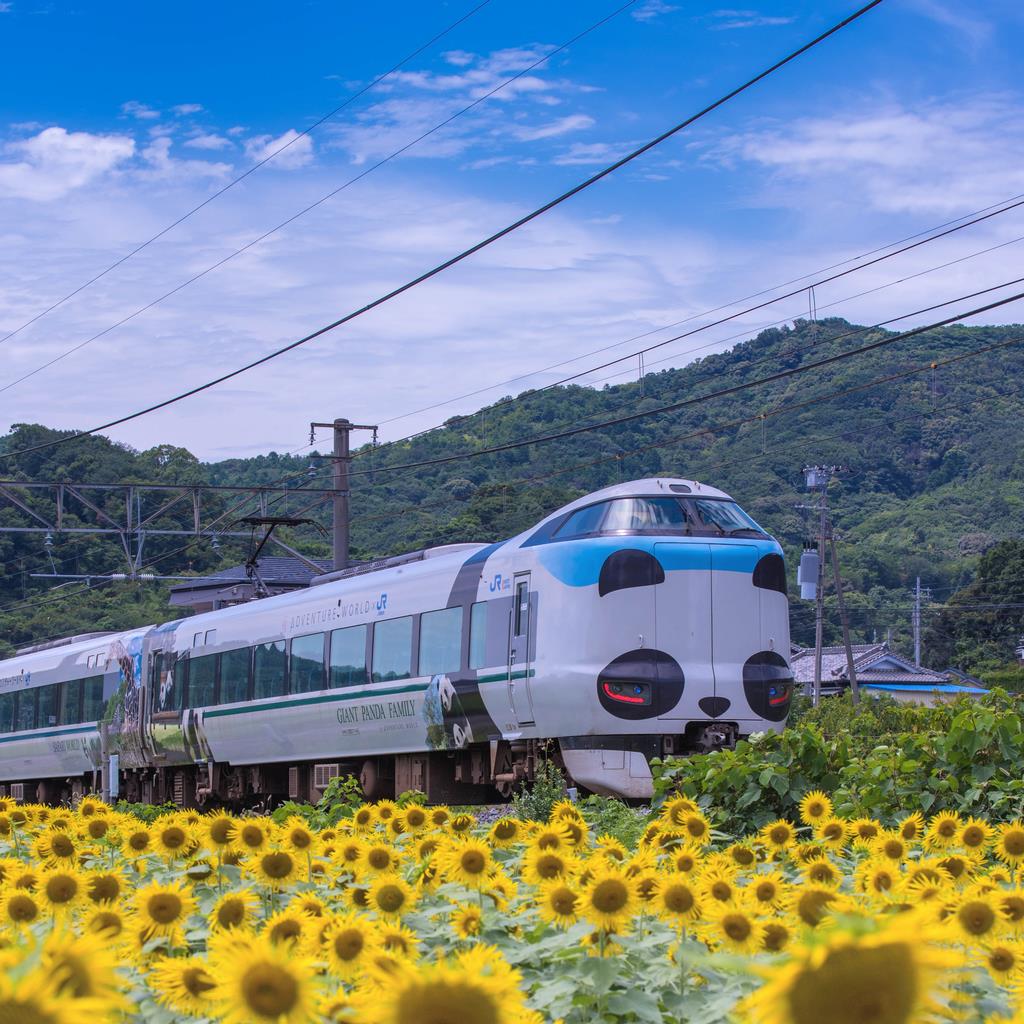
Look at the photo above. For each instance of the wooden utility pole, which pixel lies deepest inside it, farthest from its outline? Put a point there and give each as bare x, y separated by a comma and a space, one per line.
851, 671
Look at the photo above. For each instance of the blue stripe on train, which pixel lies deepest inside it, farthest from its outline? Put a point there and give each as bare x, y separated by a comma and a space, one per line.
577, 563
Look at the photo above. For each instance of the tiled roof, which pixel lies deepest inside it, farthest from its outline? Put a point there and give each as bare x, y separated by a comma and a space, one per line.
937, 688
833, 666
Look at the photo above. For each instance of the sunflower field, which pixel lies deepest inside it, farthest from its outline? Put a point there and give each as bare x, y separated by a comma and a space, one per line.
421, 915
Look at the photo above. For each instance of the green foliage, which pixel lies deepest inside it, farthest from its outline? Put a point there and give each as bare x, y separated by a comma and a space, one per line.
533, 801
147, 813
412, 797
313, 815
607, 816
341, 797
883, 762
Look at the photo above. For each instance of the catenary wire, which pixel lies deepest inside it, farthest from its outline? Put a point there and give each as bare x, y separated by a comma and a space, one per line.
316, 203
245, 174
477, 247
975, 218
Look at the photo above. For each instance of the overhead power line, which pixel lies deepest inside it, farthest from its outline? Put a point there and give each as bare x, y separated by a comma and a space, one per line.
733, 389
933, 234
473, 249
245, 174
318, 202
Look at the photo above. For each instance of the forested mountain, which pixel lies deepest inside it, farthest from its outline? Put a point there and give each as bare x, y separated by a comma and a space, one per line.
932, 477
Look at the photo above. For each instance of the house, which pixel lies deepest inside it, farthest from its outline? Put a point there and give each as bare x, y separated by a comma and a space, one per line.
880, 671
279, 575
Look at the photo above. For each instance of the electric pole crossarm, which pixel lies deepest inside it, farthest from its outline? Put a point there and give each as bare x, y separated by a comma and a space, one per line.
16, 501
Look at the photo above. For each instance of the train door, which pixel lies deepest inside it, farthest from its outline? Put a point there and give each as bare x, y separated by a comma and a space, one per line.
519, 659
683, 617
736, 616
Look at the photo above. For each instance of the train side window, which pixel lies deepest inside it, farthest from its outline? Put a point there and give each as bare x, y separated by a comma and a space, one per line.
202, 679
583, 522
46, 713
6, 712
348, 656
392, 649
478, 635
306, 663
269, 670
234, 675
71, 702
25, 715
92, 699
440, 641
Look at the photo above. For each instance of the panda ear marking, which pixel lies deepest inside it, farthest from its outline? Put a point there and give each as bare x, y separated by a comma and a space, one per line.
629, 568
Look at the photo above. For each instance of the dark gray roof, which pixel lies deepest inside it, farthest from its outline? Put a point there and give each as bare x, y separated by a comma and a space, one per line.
274, 570
873, 663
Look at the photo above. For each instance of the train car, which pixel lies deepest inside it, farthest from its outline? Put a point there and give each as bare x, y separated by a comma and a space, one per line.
648, 618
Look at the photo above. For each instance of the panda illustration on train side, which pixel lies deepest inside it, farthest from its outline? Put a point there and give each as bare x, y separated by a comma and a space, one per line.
645, 619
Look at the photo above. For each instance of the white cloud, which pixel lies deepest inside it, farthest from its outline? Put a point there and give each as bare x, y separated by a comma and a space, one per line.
55, 162
163, 166
209, 141
6, 7
238, 129
460, 58
653, 9
736, 19
139, 111
184, 109
591, 153
564, 125
298, 154
958, 18
934, 157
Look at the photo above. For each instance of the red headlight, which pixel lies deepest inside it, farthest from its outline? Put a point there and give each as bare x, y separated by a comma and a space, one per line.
628, 693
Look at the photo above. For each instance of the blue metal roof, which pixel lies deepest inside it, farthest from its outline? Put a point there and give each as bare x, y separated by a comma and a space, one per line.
924, 687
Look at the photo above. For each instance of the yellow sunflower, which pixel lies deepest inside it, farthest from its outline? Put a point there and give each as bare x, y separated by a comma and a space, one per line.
233, 910
185, 985
467, 862
609, 901
1009, 842
264, 984
468, 992
976, 917
105, 886
1004, 960
251, 835
505, 832
943, 829
173, 839
815, 807
778, 836
677, 899
84, 968
163, 908
768, 890
734, 928
415, 818
391, 896
892, 975
62, 889
349, 942
275, 869
288, 927
467, 921
832, 833
545, 865
975, 834
218, 831
558, 903
363, 818
20, 907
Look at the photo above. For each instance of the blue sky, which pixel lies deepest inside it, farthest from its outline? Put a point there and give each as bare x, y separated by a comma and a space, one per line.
116, 118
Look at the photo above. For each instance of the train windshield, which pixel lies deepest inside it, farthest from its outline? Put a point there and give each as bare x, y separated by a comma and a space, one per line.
691, 517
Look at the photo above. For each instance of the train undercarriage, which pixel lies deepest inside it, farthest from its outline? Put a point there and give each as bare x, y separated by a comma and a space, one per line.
615, 765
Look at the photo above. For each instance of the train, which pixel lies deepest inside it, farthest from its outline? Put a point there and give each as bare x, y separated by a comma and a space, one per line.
646, 619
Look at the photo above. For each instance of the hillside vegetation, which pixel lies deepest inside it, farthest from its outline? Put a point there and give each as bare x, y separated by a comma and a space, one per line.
932, 480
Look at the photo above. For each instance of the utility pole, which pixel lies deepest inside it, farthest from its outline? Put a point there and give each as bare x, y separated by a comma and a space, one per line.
342, 459
817, 478
919, 592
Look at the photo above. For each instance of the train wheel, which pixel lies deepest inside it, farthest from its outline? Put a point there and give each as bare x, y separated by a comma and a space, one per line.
375, 786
